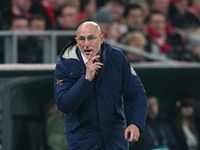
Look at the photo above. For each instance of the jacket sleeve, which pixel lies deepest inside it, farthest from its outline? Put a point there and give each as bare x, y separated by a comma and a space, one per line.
135, 93
69, 95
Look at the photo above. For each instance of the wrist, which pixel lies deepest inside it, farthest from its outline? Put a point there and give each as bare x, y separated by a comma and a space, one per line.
87, 78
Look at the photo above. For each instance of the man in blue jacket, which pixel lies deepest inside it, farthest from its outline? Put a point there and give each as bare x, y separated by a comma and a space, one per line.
91, 81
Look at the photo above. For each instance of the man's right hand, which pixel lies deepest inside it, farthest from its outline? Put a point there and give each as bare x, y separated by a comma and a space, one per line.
92, 66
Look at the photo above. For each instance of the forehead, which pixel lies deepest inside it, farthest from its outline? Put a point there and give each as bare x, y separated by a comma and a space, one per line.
88, 29
37, 21
20, 21
157, 17
69, 9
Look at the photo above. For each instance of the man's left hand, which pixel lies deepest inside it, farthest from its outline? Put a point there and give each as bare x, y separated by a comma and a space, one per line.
134, 133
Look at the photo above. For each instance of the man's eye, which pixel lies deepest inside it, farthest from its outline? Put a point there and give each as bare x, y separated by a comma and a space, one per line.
81, 39
90, 38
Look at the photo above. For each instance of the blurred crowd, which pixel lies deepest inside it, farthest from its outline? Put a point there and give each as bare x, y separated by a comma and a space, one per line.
180, 130
170, 28
176, 129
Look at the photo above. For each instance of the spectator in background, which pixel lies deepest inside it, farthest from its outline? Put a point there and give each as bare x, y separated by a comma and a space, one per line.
180, 9
65, 17
157, 32
21, 7
186, 123
117, 8
134, 18
195, 8
47, 8
34, 52
55, 3
178, 41
15, 8
76, 3
194, 45
20, 23
29, 48
104, 19
157, 133
87, 10
55, 125
158, 5
137, 41
37, 23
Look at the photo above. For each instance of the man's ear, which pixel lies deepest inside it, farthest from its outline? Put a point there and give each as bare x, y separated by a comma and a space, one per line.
102, 38
76, 39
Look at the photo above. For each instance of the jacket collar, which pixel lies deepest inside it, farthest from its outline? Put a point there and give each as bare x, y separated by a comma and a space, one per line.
71, 51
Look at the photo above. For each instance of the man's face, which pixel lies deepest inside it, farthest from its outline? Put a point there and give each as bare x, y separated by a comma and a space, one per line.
89, 39
158, 23
20, 25
116, 9
181, 6
90, 8
135, 19
153, 108
68, 18
37, 25
161, 5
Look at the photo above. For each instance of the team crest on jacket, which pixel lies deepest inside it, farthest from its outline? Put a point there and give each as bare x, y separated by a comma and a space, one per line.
133, 71
59, 83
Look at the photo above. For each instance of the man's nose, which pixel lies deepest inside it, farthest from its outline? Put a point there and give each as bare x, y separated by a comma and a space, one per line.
86, 42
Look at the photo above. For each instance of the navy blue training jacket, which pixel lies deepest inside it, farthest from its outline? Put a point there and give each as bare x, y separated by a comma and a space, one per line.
94, 110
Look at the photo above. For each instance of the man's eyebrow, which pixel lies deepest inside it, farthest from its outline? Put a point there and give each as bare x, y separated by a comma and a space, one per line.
87, 36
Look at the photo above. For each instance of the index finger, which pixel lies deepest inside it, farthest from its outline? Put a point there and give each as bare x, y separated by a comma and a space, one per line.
126, 134
131, 136
91, 54
91, 59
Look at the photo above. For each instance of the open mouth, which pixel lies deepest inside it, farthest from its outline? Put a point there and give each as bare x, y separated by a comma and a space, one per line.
87, 51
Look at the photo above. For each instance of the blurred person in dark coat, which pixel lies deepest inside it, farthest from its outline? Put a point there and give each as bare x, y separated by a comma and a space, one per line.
180, 9
178, 41
157, 133
186, 123
65, 17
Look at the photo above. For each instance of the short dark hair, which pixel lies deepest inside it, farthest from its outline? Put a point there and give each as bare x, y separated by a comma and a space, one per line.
58, 11
36, 17
148, 18
83, 3
131, 7
150, 2
17, 18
